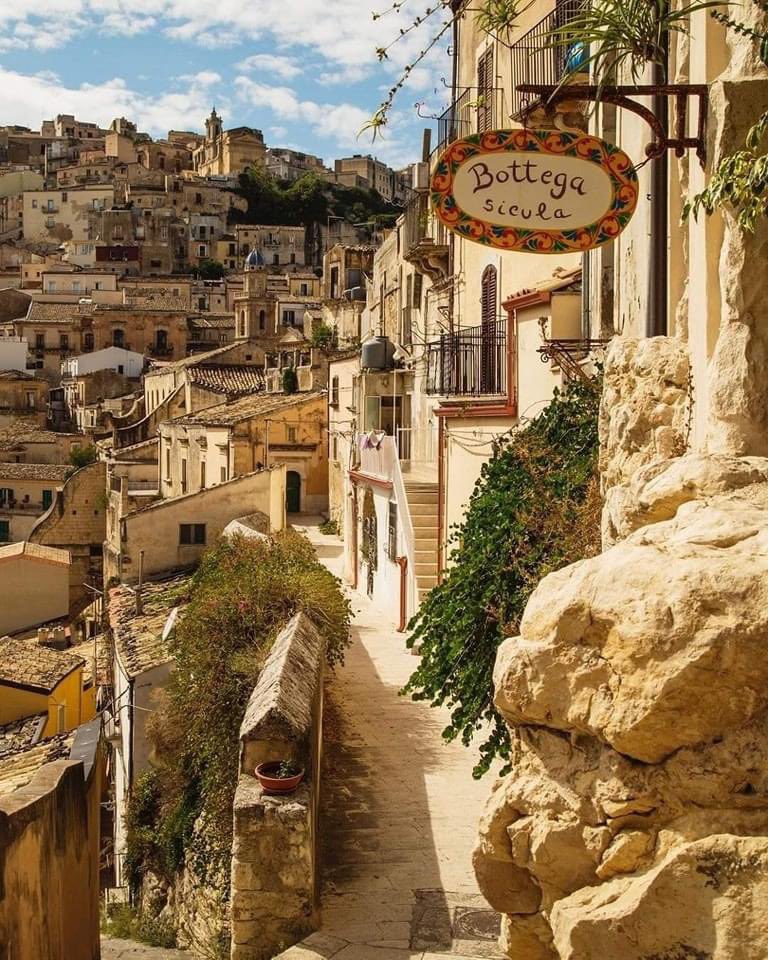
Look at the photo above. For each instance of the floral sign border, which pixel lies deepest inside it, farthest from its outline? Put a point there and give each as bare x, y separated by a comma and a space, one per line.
555, 143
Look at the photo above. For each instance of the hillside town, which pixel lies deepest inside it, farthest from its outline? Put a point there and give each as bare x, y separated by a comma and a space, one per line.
382, 550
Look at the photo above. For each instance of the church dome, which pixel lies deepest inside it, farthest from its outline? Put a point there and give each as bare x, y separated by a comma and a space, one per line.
253, 260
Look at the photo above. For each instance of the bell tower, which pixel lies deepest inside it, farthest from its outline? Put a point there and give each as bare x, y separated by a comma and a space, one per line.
213, 127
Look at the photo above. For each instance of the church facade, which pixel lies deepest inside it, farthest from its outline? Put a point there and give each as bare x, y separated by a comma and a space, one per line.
228, 152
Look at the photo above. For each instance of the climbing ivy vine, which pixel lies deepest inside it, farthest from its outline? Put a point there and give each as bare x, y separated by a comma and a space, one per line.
535, 508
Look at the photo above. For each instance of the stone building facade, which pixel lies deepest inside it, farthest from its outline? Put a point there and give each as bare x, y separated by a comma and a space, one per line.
226, 152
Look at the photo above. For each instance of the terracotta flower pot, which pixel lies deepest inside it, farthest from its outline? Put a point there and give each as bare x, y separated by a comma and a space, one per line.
267, 775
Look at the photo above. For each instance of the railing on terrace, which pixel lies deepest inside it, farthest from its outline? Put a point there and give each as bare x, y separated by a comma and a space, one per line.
473, 111
534, 58
420, 224
471, 362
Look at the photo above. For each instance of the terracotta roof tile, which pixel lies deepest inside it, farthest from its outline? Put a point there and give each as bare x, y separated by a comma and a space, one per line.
19, 767
53, 472
41, 311
35, 550
253, 405
234, 379
21, 734
138, 637
28, 664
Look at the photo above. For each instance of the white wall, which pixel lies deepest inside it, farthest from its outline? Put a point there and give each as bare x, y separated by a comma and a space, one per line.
110, 358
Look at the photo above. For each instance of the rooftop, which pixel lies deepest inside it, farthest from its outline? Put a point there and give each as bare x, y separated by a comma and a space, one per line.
53, 472
229, 379
30, 666
42, 311
253, 405
18, 767
19, 375
36, 551
21, 734
138, 638
21, 431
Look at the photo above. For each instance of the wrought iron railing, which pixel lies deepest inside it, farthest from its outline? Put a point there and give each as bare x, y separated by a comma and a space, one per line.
471, 362
536, 59
420, 224
471, 112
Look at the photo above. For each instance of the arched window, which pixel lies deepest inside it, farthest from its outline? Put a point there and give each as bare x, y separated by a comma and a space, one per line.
118, 337
262, 319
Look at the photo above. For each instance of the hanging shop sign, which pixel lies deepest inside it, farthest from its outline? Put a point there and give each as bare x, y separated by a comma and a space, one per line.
535, 191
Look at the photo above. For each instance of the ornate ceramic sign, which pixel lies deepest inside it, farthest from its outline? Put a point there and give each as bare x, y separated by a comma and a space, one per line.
535, 191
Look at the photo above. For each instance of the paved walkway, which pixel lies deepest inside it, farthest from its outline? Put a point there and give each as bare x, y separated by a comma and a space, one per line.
112, 949
400, 809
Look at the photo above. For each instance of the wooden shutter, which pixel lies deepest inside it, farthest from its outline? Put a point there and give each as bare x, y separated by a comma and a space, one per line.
485, 83
488, 297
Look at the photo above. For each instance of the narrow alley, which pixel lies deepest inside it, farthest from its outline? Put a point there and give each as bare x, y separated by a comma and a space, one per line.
400, 811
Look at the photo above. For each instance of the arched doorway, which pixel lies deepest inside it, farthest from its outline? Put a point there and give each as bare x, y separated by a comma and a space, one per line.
293, 491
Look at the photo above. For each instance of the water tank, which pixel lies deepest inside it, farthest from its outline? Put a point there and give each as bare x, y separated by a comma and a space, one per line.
377, 354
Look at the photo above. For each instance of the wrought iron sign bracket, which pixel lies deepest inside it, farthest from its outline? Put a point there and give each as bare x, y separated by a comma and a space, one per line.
550, 94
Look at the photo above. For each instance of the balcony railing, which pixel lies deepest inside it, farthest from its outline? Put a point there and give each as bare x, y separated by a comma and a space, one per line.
471, 362
473, 111
535, 59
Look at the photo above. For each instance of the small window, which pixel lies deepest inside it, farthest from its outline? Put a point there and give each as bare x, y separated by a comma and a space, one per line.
224, 474
87, 342
191, 534
291, 433
202, 474
183, 475
293, 258
39, 341
275, 258
64, 341
392, 531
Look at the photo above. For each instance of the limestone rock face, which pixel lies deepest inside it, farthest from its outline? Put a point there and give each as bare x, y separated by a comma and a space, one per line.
661, 913
627, 645
634, 823
643, 413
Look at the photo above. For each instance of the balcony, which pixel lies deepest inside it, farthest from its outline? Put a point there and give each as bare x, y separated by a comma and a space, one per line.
159, 350
473, 111
534, 59
425, 239
470, 363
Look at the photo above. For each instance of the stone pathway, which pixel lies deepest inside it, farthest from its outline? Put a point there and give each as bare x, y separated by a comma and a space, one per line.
112, 949
400, 810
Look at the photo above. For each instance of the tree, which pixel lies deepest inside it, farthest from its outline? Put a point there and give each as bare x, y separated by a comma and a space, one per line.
82, 456
211, 269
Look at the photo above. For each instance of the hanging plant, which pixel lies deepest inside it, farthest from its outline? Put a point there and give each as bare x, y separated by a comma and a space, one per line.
620, 36
290, 382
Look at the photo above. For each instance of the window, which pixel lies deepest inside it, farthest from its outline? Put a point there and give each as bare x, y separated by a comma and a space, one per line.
335, 392
289, 318
168, 462
418, 286
224, 474
201, 303
40, 341
47, 498
293, 258
485, 84
291, 434
201, 230
6, 497
50, 222
75, 286
5, 531
392, 531
202, 474
118, 337
183, 475
51, 286
304, 289
87, 342
31, 400
262, 319
161, 340
34, 204
64, 341
232, 251
201, 250
191, 533
275, 258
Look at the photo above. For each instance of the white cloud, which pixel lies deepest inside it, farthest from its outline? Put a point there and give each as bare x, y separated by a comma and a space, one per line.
278, 133
284, 67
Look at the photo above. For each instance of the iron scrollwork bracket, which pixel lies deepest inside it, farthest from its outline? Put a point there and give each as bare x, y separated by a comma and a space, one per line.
620, 96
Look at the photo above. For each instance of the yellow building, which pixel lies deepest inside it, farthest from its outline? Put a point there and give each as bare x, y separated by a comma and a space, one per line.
225, 152
35, 581
230, 440
37, 680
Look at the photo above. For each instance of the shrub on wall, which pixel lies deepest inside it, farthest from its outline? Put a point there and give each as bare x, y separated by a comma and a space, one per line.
535, 508
242, 596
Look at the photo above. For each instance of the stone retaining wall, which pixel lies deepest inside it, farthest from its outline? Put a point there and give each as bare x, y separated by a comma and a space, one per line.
274, 856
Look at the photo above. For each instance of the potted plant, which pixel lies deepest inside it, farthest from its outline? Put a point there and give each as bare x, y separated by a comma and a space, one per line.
279, 776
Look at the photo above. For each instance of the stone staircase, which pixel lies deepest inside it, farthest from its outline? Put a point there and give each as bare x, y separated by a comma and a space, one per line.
422, 505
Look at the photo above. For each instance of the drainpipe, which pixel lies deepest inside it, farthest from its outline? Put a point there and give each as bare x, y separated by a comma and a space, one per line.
658, 275
402, 562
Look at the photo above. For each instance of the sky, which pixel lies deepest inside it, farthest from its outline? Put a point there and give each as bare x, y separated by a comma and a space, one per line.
305, 72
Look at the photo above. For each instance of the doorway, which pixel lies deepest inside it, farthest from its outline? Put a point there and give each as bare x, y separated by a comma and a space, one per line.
293, 491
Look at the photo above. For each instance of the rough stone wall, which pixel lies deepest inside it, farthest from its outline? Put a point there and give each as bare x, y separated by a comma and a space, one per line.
643, 416
49, 844
274, 857
76, 521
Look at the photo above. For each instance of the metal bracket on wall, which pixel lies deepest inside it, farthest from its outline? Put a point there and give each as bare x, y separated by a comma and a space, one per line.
550, 94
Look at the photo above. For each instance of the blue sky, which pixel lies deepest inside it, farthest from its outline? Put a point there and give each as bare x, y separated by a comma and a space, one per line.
304, 71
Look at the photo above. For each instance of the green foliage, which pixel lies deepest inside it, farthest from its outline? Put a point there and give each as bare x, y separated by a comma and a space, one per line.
242, 595
211, 269
82, 456
625, 33
289, 380
329, 527
534, 509
323, 336
124, 923
498, 18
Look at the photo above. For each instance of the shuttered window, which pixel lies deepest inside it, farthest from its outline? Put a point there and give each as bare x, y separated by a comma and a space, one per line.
488, 297
485, 83
491, 358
